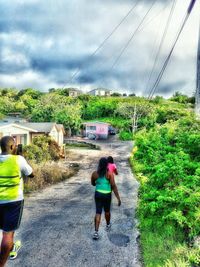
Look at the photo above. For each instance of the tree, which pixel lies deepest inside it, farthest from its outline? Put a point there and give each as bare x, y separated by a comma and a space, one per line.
180, 98
69, 116
134, 112
56, 108
132, 94
116, 94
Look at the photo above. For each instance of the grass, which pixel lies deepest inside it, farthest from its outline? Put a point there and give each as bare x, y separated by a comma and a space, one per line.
47, 174
157, 244
162, 246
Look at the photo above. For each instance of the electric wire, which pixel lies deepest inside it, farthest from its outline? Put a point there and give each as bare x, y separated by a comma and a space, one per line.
160, 75
162, 41
144, 25
132, 36
106, 39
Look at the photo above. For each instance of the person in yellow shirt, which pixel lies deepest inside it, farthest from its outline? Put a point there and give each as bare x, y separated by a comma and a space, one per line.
12, 169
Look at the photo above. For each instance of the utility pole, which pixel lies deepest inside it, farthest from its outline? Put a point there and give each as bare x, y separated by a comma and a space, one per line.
197, 96
134, 122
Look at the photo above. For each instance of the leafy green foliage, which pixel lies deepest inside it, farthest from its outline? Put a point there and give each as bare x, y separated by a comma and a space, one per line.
166, 160
42, 149
125, 136
180, 98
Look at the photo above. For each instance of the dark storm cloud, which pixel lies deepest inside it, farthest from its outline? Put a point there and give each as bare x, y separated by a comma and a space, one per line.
52, 40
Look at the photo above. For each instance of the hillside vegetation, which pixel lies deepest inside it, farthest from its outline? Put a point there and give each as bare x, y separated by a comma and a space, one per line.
165, 159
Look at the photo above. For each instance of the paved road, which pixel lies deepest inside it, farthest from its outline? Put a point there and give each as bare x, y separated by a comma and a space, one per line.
57, 223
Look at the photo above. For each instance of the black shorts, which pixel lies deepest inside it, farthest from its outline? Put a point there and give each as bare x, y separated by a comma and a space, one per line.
10, 215
103, 201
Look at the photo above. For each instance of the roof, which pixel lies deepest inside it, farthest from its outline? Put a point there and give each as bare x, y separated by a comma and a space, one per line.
17, 125
96, 122
42, 127
60, 127
100, 89
13, 119
75, 90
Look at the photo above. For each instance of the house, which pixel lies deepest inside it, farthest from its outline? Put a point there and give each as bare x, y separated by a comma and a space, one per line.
74, 92
100, 92
97, 129
24, 132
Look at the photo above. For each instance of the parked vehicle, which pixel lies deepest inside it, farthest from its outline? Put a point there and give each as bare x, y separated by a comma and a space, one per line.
111, 130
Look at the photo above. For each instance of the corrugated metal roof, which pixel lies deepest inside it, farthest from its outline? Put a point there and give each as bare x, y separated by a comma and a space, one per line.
43, 127
96, 122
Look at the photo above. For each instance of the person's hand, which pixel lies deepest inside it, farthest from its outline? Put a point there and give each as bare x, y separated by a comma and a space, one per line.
119, 202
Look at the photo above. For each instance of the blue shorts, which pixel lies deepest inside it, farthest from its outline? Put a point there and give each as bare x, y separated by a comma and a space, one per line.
103, 201
10, 215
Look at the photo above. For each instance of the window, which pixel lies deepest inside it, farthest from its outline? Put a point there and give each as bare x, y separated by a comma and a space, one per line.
91, 128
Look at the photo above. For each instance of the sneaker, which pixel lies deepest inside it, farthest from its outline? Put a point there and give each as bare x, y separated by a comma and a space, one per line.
108, 227
96, 235
17, 246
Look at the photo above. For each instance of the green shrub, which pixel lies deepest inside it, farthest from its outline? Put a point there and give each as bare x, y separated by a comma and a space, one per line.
42, 149
167, 162
125, 136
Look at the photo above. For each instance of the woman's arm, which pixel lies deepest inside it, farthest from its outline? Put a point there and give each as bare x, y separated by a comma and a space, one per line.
94, 177
114, 187
115, 171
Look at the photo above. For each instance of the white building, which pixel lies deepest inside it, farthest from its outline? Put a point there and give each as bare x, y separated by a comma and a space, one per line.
100, 92
74, 92
24, 132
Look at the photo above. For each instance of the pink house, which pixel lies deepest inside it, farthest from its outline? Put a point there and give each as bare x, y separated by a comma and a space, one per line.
97, 129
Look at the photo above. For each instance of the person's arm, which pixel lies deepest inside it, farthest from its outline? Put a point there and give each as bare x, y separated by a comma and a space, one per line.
94, 177
25, 168
116, 171
114, 187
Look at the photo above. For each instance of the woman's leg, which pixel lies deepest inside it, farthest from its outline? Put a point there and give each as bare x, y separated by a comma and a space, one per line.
107, 205
97, 220
98, 202
107, 217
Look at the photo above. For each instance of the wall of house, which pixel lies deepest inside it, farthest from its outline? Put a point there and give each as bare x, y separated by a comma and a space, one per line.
15, 131
54, 134
60, 138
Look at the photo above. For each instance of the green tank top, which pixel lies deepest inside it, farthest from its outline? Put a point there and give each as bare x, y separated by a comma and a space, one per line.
103, 185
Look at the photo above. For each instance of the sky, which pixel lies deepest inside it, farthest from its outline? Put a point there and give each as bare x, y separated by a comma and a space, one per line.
48, 44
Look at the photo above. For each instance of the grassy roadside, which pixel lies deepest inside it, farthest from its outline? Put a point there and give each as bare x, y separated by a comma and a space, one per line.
46, 174
162, 245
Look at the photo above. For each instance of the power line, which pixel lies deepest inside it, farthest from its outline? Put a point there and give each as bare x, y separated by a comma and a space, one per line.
132, 36
162, 40
139, 28
106, 39
160, 75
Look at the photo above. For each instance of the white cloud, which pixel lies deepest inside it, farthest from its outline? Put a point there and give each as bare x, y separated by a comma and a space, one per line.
49, 42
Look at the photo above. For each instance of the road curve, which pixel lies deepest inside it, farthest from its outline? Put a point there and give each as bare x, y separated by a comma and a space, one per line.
57, 224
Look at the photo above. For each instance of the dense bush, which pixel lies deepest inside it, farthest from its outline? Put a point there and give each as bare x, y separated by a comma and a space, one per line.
172, 191
125, 136
166, 160
42, 149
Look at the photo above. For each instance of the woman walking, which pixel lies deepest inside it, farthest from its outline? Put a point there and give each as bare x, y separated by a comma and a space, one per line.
105, 184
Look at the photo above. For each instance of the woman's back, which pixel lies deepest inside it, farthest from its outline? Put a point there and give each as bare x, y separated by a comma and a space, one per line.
103, 185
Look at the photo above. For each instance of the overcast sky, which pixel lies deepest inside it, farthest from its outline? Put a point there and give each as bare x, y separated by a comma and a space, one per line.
44, 42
